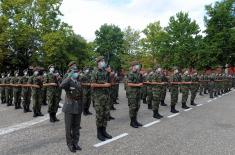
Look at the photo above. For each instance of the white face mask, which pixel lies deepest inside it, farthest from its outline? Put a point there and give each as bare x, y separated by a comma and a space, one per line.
186, 72
8, 75
159, 70
45, 74
52, 70
17, 75
176, 71
86, 71
25, 73
2, 76
36, 73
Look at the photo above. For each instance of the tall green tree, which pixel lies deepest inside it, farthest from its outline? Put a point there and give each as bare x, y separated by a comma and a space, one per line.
110, 43
183, 41
220, 38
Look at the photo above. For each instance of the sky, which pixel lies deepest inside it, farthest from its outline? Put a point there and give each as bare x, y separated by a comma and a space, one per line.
86, 16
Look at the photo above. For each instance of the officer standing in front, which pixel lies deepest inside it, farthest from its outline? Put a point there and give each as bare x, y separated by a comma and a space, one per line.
72, 108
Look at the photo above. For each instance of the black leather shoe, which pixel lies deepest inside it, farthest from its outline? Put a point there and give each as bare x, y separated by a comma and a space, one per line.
105, 134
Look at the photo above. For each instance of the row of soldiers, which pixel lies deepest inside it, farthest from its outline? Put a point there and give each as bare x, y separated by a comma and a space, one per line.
151, 87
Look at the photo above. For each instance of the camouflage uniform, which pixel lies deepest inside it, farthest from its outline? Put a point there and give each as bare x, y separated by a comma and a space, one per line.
149, 91
2, 90
157, 91
194, 88
164, 89
86, 78
185, 90
174, 91
36, 94
52, 97
8, 91
44, 90
144, 88
26, 94
211, 85
16, 91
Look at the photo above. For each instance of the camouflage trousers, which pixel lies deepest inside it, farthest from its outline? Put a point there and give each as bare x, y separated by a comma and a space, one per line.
102, 108
9, 95
44, 96
163, 93
86, 96
185, 93
174, 95
134, 106
17, 97
37, 100
156, 98
52, 99
3, 96
193, 90
26, 95
149, 95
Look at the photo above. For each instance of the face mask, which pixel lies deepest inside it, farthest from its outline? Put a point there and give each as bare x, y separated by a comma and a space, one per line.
75, 75
9, 75
2, 76
186, 72
159, 70
16, 75
52, 70
45, 74
102, 64
176, 71
36, 73
137, 67
25, 73
86, 71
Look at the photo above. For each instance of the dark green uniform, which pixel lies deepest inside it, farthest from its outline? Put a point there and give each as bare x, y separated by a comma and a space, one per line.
16, 92
8, 91
149, 91
174, 91
44, 90
164, 89
2, 91
194, 88
185, 90
72, 111
26, 94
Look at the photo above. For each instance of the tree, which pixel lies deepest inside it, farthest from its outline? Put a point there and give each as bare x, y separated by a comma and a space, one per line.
110, 43
220, 38
183, 41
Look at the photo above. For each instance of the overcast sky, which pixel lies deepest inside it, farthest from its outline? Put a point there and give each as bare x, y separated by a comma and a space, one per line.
86, 16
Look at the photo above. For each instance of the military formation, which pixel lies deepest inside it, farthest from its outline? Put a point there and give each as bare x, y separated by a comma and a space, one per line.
38, 87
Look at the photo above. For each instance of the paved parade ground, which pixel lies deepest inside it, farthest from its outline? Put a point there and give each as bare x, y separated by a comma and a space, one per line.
206, 129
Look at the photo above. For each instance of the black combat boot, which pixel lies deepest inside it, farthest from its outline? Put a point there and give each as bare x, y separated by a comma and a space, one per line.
173, 110
77, 147
105, 134
149, 106
111, 118
34, 113
157, 115
28, 109
71, 148
184, 105
193, 104
25, 109
51, 118
39, 114
144, 101
133, 123
163, 103
136, 122
54, 117
113, 108
99, 134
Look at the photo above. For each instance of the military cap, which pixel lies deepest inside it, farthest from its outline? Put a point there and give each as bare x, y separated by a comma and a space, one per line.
50, 66
98, 59
72, 63
133, 63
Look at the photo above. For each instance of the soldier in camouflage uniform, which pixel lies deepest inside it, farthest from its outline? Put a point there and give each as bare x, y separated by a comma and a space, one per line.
133, 93
58, 90
44, 89
144, 88
211, 85
149, 89
52, 85
116, 87
185, 87
36, 83
157, 84
85, 79
2, 89
175, 79
8, 90
15, 81
164, 88
101, 88
26, 92
194, 88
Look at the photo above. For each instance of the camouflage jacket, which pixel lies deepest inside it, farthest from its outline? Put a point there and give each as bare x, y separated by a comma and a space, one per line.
133, 92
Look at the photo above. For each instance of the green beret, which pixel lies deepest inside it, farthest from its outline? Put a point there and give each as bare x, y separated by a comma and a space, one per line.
98, 59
